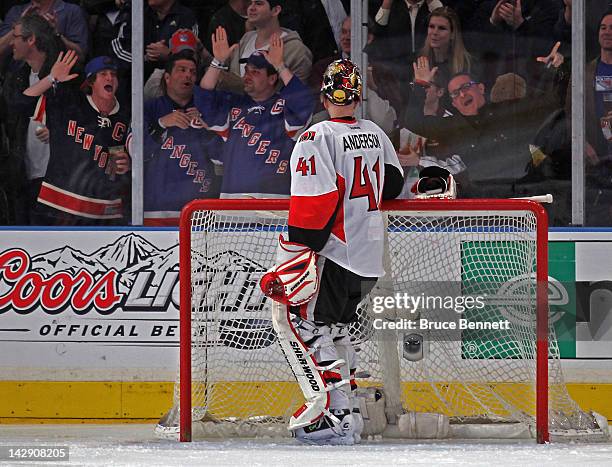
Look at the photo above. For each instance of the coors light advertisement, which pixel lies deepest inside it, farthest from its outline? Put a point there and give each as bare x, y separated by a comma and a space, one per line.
99, 298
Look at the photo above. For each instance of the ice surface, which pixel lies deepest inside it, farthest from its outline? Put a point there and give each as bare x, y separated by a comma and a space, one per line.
135, 445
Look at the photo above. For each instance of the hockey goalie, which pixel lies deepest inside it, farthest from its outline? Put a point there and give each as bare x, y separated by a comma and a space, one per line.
341, 170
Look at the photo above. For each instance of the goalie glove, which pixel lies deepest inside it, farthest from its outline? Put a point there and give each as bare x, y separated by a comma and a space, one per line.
294, 280
435, 182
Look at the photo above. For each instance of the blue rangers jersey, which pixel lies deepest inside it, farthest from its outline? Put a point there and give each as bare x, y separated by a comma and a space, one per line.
177, 166
258, 137
79, 179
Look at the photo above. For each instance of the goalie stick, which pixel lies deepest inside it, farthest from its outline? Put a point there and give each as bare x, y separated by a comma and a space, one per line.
544, 199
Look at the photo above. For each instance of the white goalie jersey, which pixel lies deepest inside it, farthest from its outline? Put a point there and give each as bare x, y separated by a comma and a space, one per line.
338, 166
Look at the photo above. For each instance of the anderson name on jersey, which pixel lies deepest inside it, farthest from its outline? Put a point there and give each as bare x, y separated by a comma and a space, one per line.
338, 170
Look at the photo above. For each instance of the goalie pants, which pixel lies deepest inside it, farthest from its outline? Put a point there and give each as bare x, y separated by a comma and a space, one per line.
340, 291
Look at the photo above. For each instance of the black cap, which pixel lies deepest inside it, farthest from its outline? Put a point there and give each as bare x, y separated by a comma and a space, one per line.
258, 60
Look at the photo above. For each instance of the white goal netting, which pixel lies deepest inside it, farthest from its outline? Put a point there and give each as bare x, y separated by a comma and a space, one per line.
242, 386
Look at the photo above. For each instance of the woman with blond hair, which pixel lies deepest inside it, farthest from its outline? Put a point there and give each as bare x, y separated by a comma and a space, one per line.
443, 55
444, 50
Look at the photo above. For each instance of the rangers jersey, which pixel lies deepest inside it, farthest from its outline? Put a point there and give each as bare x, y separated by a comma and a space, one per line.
338, 168
258, 136
177, 166
79, 179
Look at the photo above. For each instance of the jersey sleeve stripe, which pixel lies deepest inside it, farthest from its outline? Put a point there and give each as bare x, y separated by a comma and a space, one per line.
221, 130
293, 131
80, 205
312, 212
120, 52
40, 113
128, 142
338, 227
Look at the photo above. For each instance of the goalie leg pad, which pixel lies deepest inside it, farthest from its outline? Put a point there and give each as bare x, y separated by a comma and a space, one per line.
313, 359
346, 351
319, 338
294, 280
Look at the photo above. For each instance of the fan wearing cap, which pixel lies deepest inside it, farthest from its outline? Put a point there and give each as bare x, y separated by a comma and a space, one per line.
258, 128
183, 40
86, 181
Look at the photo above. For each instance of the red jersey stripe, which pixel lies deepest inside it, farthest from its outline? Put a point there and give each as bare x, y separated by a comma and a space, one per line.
312, 212
224, 134
40, 113
338, 227
161, 221
343, 120
79, 205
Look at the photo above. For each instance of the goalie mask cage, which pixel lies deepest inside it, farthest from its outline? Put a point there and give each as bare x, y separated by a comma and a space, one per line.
235, 381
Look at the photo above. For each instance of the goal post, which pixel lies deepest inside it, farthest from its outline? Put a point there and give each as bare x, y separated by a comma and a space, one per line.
233, 378
541, 222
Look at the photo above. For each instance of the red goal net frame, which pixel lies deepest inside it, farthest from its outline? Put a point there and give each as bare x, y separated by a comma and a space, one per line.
477, 205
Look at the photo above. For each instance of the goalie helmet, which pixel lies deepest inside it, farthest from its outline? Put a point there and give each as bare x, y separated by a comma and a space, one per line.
342, 82
435, 182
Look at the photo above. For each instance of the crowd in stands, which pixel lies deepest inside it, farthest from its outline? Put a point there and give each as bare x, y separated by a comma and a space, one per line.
480, 87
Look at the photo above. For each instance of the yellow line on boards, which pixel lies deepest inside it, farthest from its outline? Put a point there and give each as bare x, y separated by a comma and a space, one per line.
125, 402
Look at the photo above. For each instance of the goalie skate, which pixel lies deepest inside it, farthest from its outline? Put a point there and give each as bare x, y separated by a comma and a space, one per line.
327, 431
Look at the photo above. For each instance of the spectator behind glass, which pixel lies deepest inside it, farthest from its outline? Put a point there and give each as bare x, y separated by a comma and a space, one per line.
87, 181
512, 34
161, 19
444, 44
263, 16
598, 126
442, 56
594, 10
400, 29
551, 162
204, 11
104, 22
177, 166
35, 49
321, 22
67, 20
232, 17
378, 109
258, 129
181, 40
481, 132
6, 5
598, 99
